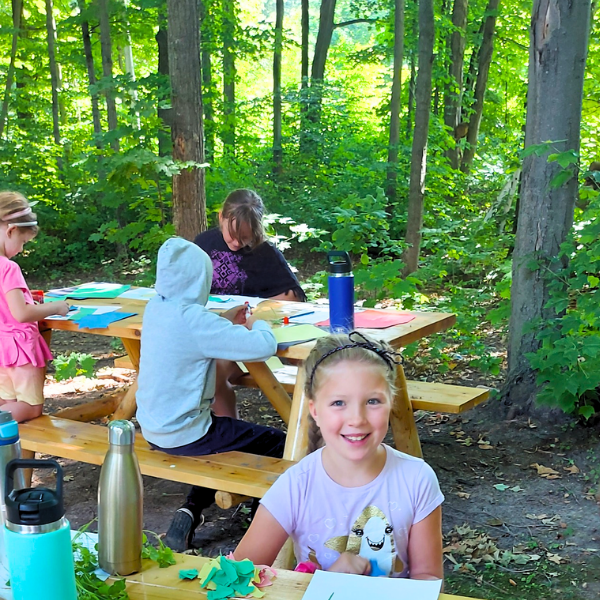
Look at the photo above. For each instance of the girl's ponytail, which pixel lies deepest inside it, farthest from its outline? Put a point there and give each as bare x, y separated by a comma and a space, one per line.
315, 438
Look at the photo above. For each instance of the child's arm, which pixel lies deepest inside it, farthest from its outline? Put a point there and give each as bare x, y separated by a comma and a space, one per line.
28, 313
425, 547
263, 540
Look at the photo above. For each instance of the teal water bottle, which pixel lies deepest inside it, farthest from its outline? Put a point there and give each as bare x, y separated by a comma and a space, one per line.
38, 538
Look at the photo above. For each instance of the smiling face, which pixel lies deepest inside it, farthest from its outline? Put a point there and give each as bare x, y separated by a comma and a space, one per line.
13, 239
236, 235
352, 409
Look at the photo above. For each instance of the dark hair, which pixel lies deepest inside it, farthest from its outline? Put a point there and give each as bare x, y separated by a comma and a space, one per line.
245, 206
334, 349
13, 202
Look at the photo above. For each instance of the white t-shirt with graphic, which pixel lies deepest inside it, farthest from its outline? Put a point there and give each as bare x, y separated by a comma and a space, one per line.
325, 519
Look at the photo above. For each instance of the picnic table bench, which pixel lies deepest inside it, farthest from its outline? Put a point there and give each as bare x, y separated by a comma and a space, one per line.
237, 473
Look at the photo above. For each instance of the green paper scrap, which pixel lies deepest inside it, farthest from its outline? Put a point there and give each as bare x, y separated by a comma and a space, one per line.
244, 567
220, 593
295, 334
188, 573
218, 299
209, 577
243, 589
82, 312
48, 299
229, 569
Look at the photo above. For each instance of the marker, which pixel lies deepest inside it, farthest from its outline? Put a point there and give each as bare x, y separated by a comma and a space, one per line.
286, 320
248, 309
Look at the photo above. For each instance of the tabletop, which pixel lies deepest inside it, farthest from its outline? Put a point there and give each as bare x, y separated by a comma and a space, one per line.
153, 583
424, 324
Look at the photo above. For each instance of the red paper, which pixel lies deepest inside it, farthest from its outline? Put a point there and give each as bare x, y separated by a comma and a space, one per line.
376, 319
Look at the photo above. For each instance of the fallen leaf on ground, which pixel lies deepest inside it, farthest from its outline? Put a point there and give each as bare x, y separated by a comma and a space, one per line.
501, 487
555, 558
68, 477
485, 447
546, 472
536, 517
573, 469
463, 495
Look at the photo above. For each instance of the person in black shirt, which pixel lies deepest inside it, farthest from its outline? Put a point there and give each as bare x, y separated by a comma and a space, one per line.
244, 263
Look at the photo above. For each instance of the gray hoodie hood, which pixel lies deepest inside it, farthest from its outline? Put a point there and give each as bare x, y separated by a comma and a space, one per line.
183, 272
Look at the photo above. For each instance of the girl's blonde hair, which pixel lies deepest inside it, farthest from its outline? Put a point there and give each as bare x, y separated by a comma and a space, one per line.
245, 206
15, 203
334, 349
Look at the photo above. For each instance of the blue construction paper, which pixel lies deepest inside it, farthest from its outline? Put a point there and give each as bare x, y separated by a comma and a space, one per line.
102, 321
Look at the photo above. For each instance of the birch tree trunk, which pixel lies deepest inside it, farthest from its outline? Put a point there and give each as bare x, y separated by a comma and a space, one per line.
395, 101
557, 56
453, 98
277, 150
418, 161
189, 199
17, 10
485, 60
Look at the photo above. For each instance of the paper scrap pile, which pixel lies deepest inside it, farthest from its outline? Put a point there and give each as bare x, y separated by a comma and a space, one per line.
227, 578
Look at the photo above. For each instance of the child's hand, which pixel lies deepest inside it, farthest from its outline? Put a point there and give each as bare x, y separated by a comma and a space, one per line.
237, 315
351, 563
59, 308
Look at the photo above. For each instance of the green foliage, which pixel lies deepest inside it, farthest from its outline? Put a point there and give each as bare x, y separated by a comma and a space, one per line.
71, 365
163, 555
568, 361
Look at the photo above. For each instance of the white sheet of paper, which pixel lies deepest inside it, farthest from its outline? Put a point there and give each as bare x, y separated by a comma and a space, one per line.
326, 585
231, 301
143, 293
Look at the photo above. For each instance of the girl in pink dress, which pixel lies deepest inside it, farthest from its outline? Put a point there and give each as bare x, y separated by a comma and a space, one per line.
23, 351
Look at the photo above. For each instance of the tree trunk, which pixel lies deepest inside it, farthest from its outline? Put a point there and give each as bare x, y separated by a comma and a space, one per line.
411, 93
557, 55
323, 40
304, 89
130, 68
277, 150
189, 200
54, 75
485, 60
453, 97
206, 43
91, 71
395, 101
17, 11
418, 161
165, 147
107, 63
229, 73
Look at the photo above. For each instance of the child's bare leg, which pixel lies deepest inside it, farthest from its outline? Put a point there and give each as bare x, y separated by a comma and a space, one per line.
225, 403
22, 411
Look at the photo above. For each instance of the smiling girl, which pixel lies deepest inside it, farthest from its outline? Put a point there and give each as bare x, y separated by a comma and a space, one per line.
355, 505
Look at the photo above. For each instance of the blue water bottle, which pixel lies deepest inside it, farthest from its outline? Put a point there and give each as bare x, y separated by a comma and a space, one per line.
38, 538
341, 292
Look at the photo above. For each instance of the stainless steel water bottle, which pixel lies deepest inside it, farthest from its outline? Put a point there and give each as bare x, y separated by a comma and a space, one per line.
38, 538
10, 448
341, 292
120, 503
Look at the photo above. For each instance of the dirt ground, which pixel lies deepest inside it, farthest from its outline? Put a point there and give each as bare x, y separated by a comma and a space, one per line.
520, 516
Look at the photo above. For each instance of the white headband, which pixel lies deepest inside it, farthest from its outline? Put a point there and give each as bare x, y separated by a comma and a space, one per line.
28, 224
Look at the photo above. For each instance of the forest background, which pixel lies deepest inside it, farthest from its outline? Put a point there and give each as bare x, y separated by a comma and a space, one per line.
391, 129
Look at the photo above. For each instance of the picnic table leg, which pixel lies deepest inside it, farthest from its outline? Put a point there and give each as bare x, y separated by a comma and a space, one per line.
404, 428
271, 388
127, 407
296, 445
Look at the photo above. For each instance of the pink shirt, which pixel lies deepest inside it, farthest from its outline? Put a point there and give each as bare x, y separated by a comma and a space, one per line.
20, 343
325, 519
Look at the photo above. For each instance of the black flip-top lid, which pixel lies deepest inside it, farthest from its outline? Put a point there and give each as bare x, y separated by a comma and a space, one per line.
33, 506
339, 261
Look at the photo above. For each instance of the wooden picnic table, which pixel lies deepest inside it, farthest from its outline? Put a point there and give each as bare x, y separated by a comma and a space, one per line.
294, 412
153, 583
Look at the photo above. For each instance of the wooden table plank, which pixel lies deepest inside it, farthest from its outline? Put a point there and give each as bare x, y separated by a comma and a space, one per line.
153, 583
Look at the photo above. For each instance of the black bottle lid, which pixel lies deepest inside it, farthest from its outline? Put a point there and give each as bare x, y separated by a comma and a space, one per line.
33, 506
339, 262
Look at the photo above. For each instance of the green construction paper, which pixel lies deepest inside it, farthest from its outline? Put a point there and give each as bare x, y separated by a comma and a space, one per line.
48, 299
188, 573
229, 569
295, 334
245, 567
220, 593
243, 590
209, 577
82, 312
